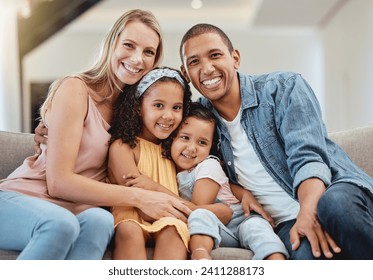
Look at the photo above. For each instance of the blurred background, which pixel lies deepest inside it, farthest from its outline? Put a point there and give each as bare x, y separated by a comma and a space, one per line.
330, 42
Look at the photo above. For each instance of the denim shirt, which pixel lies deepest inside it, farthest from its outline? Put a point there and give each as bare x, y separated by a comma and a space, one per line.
282, 119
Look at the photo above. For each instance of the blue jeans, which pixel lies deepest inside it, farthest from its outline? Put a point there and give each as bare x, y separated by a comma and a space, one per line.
304, 252
346, 212
253, 232
45, 231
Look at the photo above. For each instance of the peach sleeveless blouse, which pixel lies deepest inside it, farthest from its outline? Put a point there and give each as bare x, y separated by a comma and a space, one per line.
30, 177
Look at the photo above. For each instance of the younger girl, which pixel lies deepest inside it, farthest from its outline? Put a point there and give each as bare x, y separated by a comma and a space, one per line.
147, 114
202, 180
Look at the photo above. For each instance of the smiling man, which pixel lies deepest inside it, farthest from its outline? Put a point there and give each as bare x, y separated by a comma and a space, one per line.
275, 144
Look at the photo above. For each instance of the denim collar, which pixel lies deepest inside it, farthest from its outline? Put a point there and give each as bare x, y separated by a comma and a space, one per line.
247, 91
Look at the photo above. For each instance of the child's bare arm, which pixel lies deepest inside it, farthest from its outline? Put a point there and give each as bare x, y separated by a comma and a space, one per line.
204, 196
121, 161
144, 182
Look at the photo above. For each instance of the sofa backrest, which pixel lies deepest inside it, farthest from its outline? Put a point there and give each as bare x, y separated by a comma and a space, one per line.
358, 143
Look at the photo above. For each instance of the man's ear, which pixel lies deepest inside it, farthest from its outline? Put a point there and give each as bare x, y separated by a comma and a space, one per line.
237, 59
184, 72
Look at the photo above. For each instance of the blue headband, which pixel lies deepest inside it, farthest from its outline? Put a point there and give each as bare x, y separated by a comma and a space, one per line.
156, 74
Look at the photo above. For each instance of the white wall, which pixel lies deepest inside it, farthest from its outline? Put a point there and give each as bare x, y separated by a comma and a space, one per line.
348, 46
296, 50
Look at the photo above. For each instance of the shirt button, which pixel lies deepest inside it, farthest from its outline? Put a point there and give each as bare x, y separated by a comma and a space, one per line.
229, 163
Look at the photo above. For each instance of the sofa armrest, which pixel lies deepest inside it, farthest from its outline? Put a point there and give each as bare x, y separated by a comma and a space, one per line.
14, 148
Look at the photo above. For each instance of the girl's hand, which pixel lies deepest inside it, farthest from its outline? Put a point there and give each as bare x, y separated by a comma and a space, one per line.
140, 181
144, 182
249, 203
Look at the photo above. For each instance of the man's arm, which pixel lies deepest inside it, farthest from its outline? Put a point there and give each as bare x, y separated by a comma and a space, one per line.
304, 139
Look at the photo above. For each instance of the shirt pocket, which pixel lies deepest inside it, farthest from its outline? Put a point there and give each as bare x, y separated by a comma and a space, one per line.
265, 130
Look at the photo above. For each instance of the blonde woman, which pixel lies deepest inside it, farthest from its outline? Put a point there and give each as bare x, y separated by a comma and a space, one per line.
50, 205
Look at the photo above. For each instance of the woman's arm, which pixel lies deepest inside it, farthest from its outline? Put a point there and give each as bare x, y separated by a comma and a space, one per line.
65, 119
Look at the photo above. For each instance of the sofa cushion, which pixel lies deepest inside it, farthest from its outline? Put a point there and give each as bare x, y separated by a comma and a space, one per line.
227, 253
8, 255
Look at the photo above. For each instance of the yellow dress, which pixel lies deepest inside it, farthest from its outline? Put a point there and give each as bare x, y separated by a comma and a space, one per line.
161, 170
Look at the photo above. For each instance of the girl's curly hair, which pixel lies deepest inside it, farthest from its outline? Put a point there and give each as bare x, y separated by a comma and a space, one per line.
197, 111
127, 120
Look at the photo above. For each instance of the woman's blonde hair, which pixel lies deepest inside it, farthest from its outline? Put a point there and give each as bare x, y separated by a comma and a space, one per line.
101, 73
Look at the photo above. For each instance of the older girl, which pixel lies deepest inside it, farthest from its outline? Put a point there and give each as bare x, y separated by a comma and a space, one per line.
142, 119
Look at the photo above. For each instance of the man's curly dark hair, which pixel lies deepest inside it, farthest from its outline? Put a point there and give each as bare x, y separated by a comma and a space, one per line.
127, 120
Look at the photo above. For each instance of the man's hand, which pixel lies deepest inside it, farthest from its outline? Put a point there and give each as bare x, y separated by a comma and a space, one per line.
40, 137
307, 224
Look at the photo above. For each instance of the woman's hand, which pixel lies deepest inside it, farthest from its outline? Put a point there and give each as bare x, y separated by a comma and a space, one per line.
175, 207
40, 137
144, 216
157, 205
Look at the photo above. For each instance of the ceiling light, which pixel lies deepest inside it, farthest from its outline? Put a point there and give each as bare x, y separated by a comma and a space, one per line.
196, 4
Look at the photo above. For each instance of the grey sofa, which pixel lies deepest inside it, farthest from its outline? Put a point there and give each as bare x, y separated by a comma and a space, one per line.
358, 143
